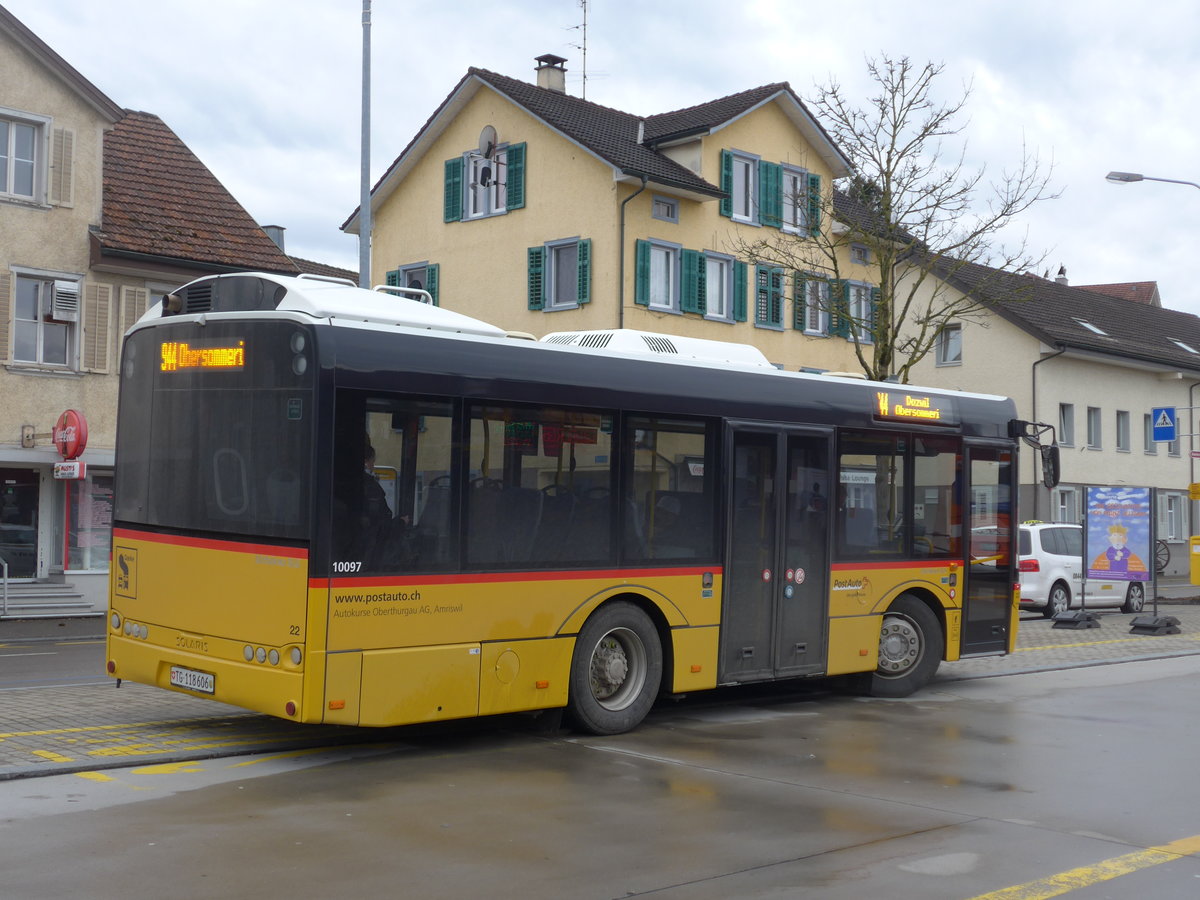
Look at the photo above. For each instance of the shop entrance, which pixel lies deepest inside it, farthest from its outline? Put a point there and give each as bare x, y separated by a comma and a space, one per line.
19, 490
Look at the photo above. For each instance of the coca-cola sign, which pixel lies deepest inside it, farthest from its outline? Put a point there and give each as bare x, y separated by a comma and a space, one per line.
70, 434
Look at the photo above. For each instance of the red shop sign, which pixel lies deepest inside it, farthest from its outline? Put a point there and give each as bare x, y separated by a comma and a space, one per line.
70, 434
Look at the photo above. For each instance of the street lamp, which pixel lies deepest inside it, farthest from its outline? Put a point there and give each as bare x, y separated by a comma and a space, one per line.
1129, 177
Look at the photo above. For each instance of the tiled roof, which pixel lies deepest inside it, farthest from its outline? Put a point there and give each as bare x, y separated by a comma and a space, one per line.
711, 114
609, 133
1055, 313
1137, 291
310, 267
160, 200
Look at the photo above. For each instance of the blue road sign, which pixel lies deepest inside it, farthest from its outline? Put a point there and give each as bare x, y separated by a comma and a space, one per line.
1163, 420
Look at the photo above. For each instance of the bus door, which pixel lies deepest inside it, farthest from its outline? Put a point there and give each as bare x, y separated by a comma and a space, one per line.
774, 612
987, 596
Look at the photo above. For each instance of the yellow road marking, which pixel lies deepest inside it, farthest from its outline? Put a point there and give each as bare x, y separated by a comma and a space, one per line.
189, 767
95, 776
1105, 870
274, 756
52, 756
1189, 637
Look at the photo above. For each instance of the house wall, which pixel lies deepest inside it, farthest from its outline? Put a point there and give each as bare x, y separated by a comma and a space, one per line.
483, 264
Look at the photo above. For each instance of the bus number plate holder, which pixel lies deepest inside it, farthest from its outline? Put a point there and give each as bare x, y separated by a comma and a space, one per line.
190, 679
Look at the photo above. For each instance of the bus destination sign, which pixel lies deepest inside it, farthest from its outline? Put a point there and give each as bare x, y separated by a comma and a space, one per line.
179, 355
898, 406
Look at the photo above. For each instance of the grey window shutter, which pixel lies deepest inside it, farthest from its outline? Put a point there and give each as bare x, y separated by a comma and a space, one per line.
97, 312
62, 167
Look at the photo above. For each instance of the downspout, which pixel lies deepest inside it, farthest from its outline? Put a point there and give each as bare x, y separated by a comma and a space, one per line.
621, 256
1033, 371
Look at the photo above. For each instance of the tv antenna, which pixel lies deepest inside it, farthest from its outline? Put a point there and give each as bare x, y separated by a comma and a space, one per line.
583, 4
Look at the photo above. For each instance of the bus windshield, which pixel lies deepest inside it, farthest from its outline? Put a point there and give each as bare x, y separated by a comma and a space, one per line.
216, 435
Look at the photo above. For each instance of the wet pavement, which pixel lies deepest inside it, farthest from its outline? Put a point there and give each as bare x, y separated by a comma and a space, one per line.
56, 730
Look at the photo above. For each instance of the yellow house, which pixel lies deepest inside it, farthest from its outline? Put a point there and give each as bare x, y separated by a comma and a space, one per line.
541, 212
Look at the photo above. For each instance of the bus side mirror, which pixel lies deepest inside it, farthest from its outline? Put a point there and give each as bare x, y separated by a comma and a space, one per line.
1050, 467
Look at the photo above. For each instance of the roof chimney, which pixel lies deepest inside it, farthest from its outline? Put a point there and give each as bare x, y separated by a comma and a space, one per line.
1062, 275
550, 72
275, 233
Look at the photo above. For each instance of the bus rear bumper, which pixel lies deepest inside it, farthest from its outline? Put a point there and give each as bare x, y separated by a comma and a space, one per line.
260, 687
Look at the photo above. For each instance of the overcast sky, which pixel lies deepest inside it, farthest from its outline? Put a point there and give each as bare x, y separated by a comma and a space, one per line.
267, 94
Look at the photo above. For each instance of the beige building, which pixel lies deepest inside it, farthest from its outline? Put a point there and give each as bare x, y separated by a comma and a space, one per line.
98, 207
1092, 363
541, 212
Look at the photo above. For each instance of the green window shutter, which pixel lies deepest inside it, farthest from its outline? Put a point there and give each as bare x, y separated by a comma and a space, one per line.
799, 295
740, 274
515, 188
431, 281
392, 278
453, 198
692, 282
814, 205
641, 273
727, 183
839, 308
768, 295
537, 268
584, 270
869, 324
770, 193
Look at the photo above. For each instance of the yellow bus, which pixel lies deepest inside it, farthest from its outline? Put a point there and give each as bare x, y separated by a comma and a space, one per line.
348, 506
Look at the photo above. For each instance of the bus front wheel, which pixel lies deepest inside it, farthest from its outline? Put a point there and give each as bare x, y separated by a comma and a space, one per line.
616, 670
911, 645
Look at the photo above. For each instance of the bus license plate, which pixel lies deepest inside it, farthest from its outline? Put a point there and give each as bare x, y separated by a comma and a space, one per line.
203, 682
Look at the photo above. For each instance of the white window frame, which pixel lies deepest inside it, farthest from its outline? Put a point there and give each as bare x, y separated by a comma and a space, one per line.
1095, 428
949, 346
41, 130
481, 201
1122, 431
860, 254
666, 258
665, 209
45, 298
795, 200
1173, 516
860, 308
718, 286
1066, 505
1151, 445
816, 307
1066, 424
554, 255
744, 197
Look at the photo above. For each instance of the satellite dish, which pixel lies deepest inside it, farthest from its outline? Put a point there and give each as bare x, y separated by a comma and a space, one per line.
487, 141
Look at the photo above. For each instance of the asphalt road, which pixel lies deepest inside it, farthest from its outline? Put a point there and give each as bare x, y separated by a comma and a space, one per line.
994, 788
25, 664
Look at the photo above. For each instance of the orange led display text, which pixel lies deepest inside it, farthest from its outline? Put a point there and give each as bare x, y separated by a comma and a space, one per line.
177, 355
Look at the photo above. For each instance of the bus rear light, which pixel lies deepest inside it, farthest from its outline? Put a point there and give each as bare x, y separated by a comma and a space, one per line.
248, 653
1028, 565
260, 654
273, 656
115, 621
289, 708
296, 656
112, 667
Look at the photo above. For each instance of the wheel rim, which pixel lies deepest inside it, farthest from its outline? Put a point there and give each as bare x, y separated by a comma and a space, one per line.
1059, 601
1137, 597
618, 668
901, 646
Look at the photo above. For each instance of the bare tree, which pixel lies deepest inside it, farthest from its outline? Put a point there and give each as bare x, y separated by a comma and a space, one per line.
916, 211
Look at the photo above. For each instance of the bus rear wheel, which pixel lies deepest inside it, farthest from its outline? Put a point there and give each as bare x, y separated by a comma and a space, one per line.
911, 645
616, 670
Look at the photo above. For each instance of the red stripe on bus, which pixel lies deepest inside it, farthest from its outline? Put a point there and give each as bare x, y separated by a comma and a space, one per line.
898, 564
208, 544
501, 577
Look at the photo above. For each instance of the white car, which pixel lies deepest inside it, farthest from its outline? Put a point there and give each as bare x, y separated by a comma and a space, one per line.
1050, 560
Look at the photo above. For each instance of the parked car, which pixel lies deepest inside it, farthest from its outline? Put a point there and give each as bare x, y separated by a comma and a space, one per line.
1050, 559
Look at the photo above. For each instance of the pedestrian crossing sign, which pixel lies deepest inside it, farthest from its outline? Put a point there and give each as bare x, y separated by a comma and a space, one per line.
1164, 423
